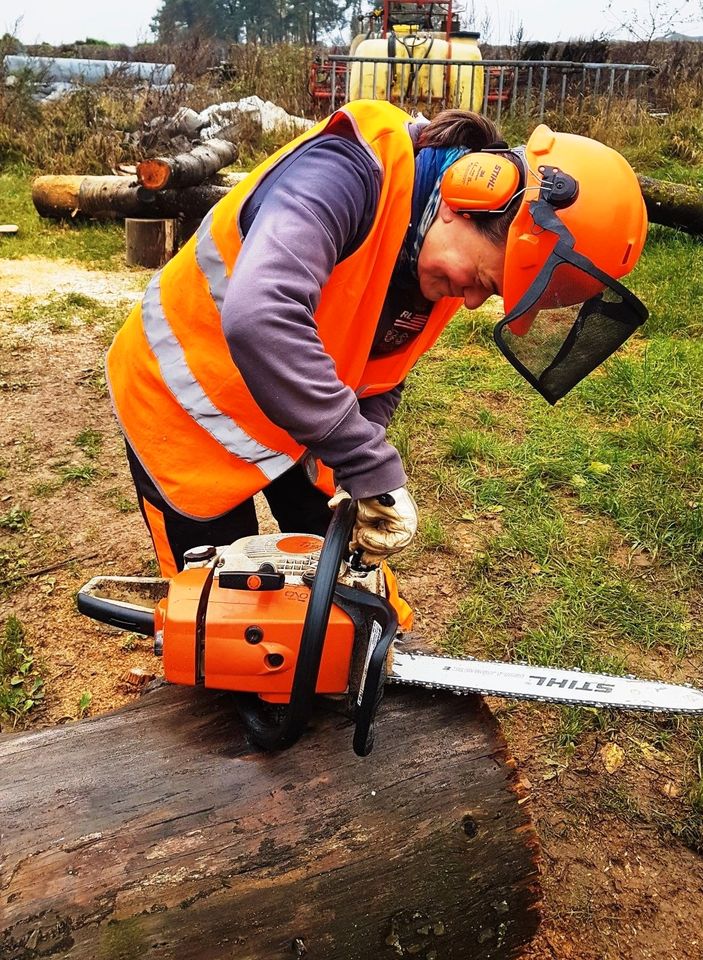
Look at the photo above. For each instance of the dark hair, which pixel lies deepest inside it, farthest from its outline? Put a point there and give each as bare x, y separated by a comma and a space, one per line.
461, 128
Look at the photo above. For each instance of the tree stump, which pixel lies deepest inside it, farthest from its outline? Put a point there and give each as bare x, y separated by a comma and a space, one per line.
150, 243
157, 831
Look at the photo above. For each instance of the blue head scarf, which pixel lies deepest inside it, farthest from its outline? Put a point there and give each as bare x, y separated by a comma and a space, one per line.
430, 166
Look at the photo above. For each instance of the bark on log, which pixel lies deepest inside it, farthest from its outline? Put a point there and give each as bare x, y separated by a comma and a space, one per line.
158, 831
116, 197
673, 204
186, 169
149, 243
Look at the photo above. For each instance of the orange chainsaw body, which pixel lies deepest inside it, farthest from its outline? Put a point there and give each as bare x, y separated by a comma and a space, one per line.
246, 640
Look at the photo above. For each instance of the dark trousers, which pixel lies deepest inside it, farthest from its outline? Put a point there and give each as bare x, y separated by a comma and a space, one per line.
297, 506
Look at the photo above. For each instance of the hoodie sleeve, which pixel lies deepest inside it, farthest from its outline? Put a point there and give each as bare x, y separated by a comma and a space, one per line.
317, 212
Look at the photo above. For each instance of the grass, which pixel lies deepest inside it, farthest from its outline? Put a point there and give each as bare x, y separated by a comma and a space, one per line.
90, 442
585, 520
79, 473
63, 312
96, 245
16, 519
21, 681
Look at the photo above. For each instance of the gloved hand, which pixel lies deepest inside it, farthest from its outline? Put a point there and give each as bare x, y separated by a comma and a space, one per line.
385, 524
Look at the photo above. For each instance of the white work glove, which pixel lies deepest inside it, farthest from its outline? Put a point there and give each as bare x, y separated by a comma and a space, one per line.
385, 524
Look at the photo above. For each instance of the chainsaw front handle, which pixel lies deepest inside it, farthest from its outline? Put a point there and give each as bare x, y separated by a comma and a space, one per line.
278, 735
120, 613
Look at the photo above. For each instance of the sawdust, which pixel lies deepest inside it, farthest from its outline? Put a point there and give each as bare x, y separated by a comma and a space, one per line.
615, 888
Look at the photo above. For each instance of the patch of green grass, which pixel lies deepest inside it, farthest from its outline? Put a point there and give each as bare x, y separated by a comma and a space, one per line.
46, 488
476, 446
96, 381
62, 312
574, 722
21, 681
433, 533
12, 563
120, 502
84, 703
98, 245
15, 519
79, 473
584, 521
90, 442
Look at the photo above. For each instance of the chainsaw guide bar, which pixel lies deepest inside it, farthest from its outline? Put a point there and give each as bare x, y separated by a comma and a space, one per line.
521, 681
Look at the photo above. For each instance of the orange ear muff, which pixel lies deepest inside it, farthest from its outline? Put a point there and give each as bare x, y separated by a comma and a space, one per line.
480, 182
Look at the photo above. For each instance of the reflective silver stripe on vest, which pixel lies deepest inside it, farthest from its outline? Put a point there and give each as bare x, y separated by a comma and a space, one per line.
211, 263
190, 395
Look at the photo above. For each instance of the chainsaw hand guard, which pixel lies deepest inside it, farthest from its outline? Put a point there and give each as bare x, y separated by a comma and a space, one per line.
374, 621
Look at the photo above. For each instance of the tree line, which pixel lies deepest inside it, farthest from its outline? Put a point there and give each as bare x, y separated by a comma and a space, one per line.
265, 21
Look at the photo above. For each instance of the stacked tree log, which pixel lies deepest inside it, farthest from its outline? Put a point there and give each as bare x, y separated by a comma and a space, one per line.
158, 831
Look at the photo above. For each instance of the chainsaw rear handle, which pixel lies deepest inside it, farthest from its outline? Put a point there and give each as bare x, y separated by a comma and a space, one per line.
273, 735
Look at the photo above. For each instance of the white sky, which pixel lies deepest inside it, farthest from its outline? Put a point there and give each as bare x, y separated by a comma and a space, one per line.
127, 21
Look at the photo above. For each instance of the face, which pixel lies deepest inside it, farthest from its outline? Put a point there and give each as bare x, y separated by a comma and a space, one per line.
457, 260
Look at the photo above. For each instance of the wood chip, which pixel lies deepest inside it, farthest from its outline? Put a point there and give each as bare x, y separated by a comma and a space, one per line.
137, 677
670, 789
613, 757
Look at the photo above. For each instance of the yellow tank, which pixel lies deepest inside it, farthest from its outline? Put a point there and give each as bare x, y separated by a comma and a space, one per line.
423, 81
419, 82
355, 43
466, 82
372, 81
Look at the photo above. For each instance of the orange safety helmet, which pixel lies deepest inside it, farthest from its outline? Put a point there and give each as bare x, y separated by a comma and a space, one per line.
581, 224
607, 219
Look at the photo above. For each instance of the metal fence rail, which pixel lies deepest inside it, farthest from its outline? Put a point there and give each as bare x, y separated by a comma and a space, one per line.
529, 87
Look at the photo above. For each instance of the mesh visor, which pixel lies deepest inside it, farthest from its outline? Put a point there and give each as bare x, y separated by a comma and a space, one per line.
563, 344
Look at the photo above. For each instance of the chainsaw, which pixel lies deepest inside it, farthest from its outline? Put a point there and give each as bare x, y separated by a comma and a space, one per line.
283, 618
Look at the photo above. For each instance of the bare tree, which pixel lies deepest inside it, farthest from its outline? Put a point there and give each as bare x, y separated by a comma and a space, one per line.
659, 19
478, 19
516, 38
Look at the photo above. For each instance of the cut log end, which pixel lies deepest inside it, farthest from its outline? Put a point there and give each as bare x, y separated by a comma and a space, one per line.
153, 174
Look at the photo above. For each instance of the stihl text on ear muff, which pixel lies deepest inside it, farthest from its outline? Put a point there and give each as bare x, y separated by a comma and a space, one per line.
480, 183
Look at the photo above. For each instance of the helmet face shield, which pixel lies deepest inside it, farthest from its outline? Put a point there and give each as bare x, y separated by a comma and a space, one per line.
571, 319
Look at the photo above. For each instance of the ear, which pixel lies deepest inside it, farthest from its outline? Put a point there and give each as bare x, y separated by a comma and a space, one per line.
447, 215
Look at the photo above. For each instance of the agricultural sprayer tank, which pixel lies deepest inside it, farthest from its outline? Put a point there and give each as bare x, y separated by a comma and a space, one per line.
426, 35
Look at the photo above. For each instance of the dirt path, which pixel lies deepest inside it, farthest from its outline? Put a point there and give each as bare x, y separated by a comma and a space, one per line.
615, 886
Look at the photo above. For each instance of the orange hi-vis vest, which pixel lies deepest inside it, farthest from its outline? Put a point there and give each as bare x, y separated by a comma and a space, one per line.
180, 398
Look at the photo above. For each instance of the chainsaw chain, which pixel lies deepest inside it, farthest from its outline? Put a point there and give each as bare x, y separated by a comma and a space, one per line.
557, 701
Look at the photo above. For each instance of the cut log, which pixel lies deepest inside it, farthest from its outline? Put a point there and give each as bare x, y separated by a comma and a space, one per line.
149, 243
673, 204
60, 197
158, 832
186, 169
